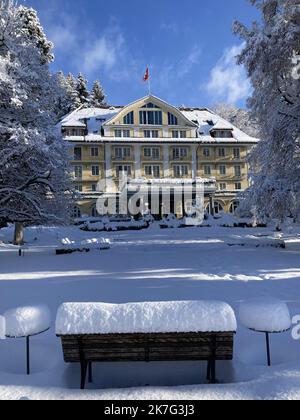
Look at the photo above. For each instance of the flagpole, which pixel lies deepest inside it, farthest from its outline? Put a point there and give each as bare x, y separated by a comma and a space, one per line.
149, 81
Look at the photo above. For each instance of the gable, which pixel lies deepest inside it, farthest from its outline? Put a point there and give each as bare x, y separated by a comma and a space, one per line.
150, 111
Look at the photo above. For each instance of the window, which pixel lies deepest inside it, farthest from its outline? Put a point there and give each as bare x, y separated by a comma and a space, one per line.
238, 186
172, 120
94, 151
151, 134
122, 152
178, 134
218, 208
234, 206
77, 153
151, 152
94, 187
151, 105
180, 153
222, 186
122, 133
151, 117
151, 170
123, 170
76, 213
222, 169
175, 134
206, 152
237, 171
181, 171
222, 152
129, 118
95, 170
207, 170
78, 188
73, 132
78, 172
236, 153
222, 134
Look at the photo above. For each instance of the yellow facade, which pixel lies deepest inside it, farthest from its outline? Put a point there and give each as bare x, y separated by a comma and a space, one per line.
158, 149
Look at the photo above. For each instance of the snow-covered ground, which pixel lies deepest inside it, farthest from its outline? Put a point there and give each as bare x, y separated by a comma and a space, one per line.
152, 265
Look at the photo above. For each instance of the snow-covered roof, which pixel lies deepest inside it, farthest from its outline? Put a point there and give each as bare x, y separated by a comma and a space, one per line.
79, 117
206, 120
222, 125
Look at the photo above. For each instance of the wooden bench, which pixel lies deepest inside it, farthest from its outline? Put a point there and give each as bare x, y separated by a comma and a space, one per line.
147, 347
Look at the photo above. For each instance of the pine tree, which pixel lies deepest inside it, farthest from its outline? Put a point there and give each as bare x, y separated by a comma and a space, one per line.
34, 163
97, 96
82, 90
270, 57
67, 100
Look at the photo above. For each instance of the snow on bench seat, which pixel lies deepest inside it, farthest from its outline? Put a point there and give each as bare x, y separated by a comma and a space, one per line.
147, 317
266, 315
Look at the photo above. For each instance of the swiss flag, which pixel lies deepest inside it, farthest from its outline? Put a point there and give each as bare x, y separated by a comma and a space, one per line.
147, 75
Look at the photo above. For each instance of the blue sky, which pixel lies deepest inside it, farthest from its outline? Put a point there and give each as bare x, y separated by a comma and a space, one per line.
189, 46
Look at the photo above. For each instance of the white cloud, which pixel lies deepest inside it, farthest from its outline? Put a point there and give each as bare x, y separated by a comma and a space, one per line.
228, 81
192, 59
102, 53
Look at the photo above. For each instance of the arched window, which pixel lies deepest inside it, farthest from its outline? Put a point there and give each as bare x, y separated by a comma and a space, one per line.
172, 120
234, 206
76, 214
129, 118
94, 212
218, 208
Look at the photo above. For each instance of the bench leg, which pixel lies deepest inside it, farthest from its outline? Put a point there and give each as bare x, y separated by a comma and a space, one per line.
90, 372
213, 372
208, 370
83, 367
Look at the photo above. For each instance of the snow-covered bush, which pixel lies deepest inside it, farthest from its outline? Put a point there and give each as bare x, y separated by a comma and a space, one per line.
265, 314
26, 321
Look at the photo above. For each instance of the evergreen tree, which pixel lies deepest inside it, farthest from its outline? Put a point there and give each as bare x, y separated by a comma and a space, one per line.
34, 162
82, 90
97, 96
67, 100
270, 56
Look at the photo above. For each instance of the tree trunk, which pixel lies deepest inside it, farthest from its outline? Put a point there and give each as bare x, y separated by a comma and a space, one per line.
19, 234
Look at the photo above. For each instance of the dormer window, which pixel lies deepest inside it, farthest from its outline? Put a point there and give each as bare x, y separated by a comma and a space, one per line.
222, 134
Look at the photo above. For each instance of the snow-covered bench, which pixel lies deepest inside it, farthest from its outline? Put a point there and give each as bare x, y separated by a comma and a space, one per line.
146, 332
68, 246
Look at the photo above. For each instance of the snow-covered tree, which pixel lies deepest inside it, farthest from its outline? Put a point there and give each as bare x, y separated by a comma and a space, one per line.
82, 90
67, 100
97, 96
34, 163
239, 117
271, 55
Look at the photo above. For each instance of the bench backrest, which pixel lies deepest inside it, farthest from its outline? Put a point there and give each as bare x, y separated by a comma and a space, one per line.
148, 347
